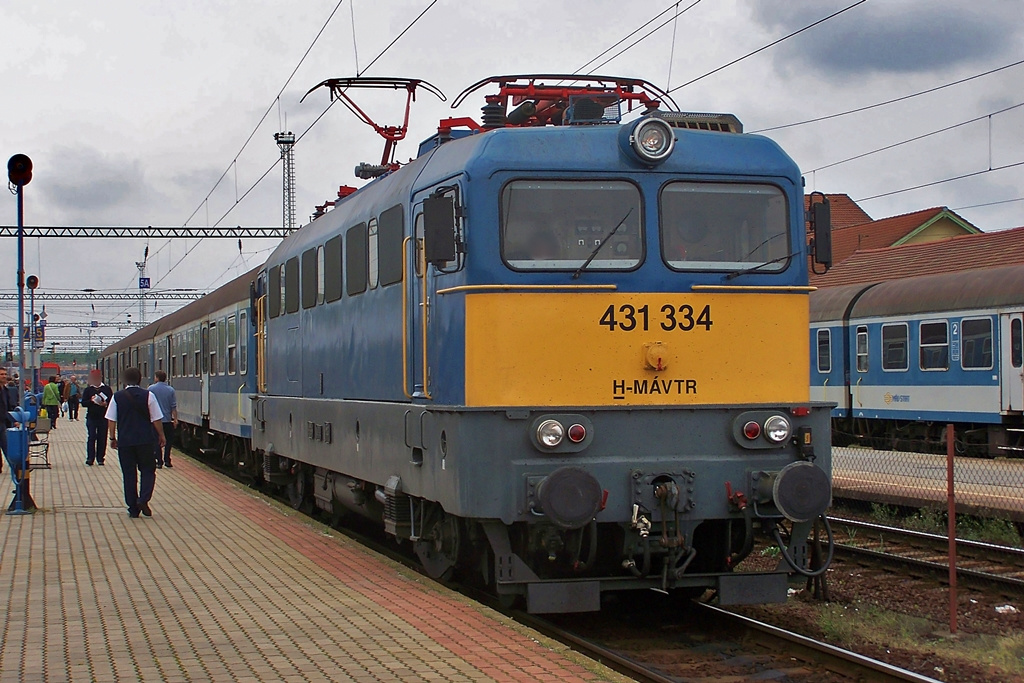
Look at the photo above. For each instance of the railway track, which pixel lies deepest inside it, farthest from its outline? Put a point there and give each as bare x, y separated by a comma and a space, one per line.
977, 563
780, 653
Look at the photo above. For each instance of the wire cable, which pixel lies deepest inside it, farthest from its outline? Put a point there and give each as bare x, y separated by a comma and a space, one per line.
893, 100
916, 138
645, 36
939, 182
977, 206
769, 45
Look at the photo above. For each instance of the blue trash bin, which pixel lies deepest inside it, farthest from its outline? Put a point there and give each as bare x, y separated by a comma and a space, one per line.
17, 448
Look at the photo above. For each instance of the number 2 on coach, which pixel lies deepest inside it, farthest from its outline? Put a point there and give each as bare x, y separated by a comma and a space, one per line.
628, 318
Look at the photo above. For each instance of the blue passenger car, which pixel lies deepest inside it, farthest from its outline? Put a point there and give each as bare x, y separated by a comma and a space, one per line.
903, 358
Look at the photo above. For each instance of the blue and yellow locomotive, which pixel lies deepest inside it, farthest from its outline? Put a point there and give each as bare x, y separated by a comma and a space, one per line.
558, 352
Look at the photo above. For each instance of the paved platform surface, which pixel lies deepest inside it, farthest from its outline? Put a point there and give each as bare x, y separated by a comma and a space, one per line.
984, 486
221, 585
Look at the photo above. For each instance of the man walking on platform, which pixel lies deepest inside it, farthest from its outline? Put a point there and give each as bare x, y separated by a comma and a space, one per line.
74, 393
168, 401
135, 414
51, 401
5, 419
95, 398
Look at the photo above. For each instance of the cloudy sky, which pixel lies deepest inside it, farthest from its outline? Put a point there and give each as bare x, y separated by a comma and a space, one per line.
132, 109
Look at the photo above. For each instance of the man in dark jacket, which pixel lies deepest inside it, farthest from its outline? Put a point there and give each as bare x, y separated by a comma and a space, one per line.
5, 419
96, 398
134, 413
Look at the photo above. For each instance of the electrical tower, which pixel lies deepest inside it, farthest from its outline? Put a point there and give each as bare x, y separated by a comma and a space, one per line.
143, 286
285, 142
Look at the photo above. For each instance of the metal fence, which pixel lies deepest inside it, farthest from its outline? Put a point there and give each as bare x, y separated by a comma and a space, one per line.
916, 476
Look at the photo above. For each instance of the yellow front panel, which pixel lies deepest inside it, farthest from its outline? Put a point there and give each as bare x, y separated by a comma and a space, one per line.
591, 349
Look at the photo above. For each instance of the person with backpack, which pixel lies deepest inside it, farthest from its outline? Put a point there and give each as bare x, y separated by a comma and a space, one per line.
135, 426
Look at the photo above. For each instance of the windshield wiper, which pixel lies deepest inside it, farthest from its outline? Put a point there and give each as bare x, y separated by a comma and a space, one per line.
593, 254
759, 266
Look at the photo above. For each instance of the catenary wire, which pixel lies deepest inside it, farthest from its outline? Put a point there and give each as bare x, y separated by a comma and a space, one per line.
939, 182
769, 45
893, 100
977, 206
916, 138
646, 36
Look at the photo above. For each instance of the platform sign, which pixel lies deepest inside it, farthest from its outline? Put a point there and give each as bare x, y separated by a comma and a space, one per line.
32, 361
143, 283
954, 341
40, 334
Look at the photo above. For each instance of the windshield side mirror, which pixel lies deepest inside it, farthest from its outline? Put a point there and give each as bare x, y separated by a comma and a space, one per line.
821, 231
439, 239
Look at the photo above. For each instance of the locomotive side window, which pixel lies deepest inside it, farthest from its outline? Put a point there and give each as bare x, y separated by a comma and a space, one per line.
935, 346
977, 344
391, 234
862, 349
232, 345
724, 226
274, 296
559, 224
320, 275
291, 281
356, 259
373, 257
309, 278
243, 342
824, 351
1015, 343
894, 346
332, 269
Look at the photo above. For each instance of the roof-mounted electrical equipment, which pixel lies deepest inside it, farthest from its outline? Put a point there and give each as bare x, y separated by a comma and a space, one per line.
722, 123
392, 134
554, 99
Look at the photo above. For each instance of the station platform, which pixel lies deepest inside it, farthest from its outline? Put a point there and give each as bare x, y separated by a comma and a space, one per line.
223, 585
982, 486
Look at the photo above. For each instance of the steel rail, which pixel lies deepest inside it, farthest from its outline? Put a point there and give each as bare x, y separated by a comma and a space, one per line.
939, 568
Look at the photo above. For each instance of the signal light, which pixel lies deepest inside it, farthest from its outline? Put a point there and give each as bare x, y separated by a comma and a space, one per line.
751, 430
19, 170
800, 411
577, 433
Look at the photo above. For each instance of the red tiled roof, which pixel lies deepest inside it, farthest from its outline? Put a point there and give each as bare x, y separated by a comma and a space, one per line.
965, 252
845, 211
884, 232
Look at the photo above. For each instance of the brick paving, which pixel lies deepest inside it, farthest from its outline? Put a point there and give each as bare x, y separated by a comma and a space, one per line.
222, 585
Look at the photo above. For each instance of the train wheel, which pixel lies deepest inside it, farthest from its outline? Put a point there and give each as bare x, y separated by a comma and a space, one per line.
438, 550
298, 491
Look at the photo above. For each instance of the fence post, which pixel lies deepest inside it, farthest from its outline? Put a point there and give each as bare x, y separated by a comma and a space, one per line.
951, 515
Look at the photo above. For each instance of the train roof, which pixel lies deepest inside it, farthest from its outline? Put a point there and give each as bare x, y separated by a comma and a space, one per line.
234, 291
980, 288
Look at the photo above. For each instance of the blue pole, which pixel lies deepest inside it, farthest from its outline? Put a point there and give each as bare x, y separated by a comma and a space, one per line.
21, 288
32, 336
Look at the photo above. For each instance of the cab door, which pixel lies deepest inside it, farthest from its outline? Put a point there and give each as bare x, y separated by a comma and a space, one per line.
1011, 367
204, 376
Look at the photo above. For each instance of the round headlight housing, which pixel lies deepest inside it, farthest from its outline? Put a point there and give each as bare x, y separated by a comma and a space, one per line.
777, 429
550, 433
652, 139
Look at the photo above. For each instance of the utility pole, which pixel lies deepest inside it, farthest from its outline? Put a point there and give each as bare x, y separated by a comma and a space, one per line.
285, 142
143, 286
19, 173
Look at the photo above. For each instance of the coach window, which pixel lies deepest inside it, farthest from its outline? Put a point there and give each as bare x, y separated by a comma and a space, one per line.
355, 260
976, 340
275, 296
862, 349
243, 342
309, 278
824, 351
373, 257
559, 225
332, 269
291, 281
935, 346
724, 226
894, 347
1015, 343
320, 275
205, 346
391, 235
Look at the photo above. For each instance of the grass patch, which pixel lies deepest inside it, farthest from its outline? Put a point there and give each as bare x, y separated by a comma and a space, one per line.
885, 514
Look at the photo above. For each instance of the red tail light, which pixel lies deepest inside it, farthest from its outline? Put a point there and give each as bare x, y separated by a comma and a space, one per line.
802, 411
752, 430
